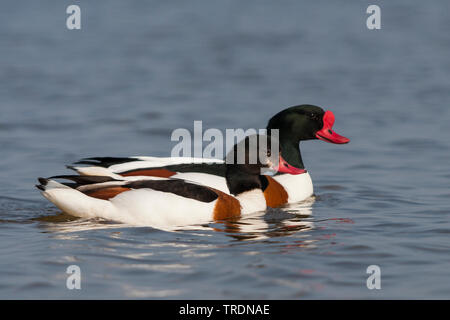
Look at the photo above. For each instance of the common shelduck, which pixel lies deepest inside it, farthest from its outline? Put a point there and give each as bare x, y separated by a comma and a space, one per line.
162, 202
295, 124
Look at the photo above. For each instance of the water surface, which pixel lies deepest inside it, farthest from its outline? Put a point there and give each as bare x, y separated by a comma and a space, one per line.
137, 70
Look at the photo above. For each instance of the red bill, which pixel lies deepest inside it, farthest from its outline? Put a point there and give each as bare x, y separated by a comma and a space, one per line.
285, 167
327, 134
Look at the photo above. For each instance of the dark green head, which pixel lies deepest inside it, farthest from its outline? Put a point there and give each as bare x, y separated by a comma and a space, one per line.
299, 123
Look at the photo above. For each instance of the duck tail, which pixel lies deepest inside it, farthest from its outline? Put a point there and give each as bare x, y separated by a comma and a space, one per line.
47, 184
74, 202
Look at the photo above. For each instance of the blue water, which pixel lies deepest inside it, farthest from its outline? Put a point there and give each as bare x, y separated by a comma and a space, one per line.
137, 70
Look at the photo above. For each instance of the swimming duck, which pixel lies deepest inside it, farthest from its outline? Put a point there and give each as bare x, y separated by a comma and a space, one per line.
160, 202
295, 124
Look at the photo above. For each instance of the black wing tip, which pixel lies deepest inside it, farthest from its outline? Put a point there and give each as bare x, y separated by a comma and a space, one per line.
90, 162
105, 161
61, 177
43, 181
83, 180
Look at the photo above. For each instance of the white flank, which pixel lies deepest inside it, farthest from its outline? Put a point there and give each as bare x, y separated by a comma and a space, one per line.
159, 209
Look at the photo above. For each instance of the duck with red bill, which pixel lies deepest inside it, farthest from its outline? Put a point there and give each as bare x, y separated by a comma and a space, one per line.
292, 126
